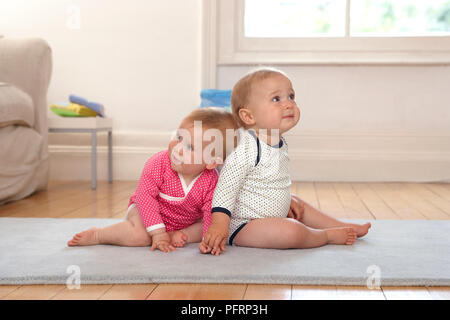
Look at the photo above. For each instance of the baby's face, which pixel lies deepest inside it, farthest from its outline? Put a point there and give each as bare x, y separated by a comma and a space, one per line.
272, 103
186, 151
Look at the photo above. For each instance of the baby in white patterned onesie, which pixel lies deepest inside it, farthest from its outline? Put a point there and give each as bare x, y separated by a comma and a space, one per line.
252, 205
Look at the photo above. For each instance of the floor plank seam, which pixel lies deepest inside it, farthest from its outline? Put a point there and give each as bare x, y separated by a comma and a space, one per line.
245, 292
153, 290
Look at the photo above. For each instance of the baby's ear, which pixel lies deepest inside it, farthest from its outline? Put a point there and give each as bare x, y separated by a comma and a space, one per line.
246, 116
217, 161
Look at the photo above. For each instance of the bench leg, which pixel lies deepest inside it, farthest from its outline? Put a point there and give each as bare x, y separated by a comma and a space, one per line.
110, 168
94, 160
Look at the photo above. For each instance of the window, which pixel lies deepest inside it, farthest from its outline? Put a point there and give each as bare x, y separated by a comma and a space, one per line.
400, 18
334, 31
291, 19
299, 18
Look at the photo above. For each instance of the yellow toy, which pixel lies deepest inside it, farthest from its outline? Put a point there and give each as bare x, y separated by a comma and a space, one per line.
72, 110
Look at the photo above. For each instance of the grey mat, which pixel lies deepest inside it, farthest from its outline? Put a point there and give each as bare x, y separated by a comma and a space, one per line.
406, 253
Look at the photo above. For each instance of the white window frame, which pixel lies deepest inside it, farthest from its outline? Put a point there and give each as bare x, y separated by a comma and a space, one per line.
235, 49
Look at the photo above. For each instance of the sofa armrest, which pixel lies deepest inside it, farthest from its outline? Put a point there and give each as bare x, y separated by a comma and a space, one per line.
27, 64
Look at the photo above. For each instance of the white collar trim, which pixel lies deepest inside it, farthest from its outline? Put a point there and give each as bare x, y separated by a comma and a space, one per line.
188, 188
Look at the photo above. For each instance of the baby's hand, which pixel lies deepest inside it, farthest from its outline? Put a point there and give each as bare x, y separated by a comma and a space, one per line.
215, 239
296, 209
161, 241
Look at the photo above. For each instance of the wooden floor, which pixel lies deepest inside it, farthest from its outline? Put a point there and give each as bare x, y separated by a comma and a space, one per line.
342, 200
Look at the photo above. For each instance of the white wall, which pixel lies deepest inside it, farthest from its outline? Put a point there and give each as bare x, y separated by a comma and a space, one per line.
140, 58
367, 123
365, 98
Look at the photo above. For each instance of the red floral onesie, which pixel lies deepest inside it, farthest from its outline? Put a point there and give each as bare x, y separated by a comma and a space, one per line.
163, 199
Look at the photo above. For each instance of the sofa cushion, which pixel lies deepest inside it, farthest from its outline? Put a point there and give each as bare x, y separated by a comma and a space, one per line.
20, 162
16, 107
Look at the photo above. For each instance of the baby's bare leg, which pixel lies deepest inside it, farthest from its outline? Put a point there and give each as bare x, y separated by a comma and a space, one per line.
130, 233
285, 233
193, 233
318, 220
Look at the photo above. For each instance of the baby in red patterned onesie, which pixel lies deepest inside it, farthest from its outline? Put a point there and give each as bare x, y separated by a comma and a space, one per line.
172, 202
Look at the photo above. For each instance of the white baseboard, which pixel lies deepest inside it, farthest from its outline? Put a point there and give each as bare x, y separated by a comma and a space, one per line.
315, 156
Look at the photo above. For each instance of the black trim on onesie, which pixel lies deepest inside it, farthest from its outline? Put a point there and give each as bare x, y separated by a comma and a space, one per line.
258, 157
220, 209
258, 146
279, 145
235, 233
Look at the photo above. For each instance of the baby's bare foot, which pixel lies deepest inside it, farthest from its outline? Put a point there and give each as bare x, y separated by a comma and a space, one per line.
344, 235
361, 229
178, 238
204, 248
86, 238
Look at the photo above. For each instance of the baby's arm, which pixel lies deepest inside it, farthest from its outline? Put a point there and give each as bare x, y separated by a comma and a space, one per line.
232, 177
216, 236
145, 198
219, 229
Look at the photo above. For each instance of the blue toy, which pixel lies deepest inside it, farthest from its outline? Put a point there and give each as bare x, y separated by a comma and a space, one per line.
97, 107
215, 98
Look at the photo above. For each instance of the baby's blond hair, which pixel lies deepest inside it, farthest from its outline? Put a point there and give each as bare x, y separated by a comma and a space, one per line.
216, 118
242, 89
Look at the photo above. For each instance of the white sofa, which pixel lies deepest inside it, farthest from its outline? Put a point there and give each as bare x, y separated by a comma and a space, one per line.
25, 72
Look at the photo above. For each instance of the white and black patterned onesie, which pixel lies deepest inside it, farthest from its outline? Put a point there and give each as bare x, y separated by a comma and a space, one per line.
254, 182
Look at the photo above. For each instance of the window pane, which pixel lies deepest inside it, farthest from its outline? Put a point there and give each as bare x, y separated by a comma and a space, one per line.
294, 18
399, 17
